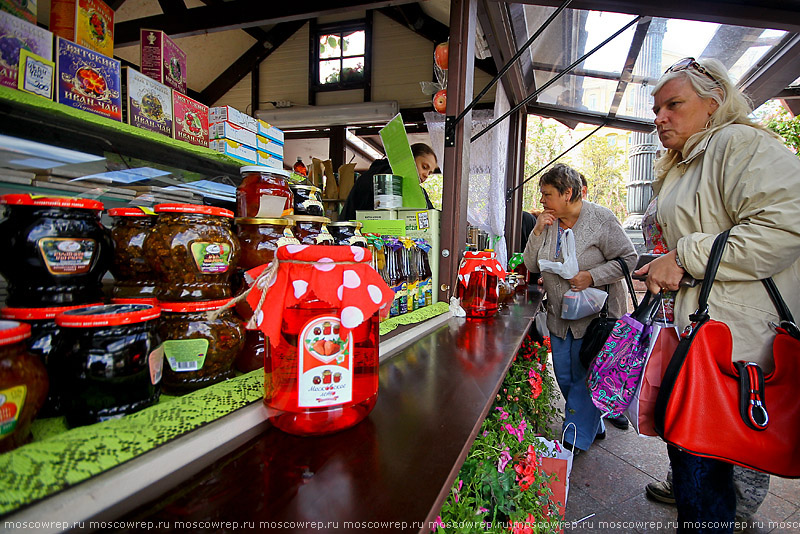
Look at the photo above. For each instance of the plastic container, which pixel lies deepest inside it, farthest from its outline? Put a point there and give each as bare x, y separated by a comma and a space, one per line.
307, 200
133, 276
23, 385
58, 251
347, 233
193, 251
264, 193
311, 230
107, 367
260, 238
45, 334
387, 191
198, 352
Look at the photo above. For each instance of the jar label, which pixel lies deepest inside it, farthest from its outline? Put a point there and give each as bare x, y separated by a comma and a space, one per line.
66, 255
356, 239
325, 369
11, 402
156, 364
324, 237
186, 354
311, 203
288, 238
270, 207
211, 258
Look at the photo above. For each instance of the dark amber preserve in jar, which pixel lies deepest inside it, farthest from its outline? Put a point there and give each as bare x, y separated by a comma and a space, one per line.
57, 251
310, 320
133, 276
260, 238
307, 200
198, 351
23, 385
254, 352
264, 192
347, 233
311, 230
193, 251
105, 353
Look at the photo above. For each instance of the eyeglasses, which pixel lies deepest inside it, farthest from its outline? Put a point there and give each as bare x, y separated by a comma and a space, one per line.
690, 63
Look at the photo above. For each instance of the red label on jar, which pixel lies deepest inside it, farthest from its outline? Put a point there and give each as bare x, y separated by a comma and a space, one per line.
11, 402
65, 255
211, 258
325, 372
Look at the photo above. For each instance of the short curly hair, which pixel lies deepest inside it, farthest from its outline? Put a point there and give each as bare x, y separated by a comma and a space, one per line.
563, 177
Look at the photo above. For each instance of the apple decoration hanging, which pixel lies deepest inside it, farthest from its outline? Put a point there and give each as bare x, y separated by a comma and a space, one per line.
438, 90
440, 101
440, 55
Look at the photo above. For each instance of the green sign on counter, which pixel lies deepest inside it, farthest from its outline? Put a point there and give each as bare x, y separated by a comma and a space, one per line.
398, 151
383, 227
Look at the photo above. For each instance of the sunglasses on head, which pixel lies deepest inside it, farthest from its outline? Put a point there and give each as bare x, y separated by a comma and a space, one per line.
690, 63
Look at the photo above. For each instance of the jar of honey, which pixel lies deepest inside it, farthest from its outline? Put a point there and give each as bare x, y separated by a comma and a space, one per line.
321, 318
264, 193
133, 276
347, 233
260, 238
311, 230
23, 385
307, 200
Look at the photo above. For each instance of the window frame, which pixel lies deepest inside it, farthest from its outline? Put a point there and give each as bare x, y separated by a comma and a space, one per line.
316, 31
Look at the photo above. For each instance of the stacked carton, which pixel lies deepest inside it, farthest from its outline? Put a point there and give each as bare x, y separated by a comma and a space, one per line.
247, 139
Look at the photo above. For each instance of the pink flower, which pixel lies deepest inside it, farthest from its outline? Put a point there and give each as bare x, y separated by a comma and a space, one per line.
503, 414
505, 457
438, 523
482, 510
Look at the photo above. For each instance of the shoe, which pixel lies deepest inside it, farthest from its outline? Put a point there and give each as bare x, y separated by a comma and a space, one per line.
620, 422
661, 492
600, 435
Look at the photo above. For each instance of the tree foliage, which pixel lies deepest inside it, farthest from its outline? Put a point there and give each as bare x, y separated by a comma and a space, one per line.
545, 140
606, 171
788, 127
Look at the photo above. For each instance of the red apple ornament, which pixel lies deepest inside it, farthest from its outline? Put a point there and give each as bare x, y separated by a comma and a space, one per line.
440, 55
440, 101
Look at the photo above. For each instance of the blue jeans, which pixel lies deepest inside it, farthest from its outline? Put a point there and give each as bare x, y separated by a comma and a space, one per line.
704, 493
571, 378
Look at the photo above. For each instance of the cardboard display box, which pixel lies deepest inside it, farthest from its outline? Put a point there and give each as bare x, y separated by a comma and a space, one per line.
235, 150
88, 80
229, 130
146, 103
267, 130
17, 34
163, 60
88, 23
190, 120
23, 9
268, 145
234, 116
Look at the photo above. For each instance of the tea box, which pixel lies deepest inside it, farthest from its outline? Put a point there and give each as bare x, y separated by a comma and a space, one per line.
190, 120
163, 60
229, 130
147, 104
88, 80
234, 116
235, 150
15, 35
267, 130
89, 23
269, 160
266, 144
25, 9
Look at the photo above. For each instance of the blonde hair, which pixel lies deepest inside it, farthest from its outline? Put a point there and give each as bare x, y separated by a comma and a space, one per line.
734, 107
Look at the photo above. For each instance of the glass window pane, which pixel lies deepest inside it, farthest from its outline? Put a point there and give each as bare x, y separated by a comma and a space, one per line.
353, 69
329, 46
329, 71
353, 43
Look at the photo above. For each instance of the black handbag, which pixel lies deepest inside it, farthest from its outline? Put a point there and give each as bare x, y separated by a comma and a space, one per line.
600, 328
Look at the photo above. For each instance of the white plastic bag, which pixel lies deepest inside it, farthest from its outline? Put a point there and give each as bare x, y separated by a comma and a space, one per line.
569, 269
580, 304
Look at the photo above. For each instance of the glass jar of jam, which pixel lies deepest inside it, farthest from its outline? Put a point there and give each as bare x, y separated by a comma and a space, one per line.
23, 385
254, 352
193, 251
59, 248
480, 281
264, 193
307, 200
198, 351
321, 319
45, 334
311, 230
347, 233
133, 276
108, 366
260, 238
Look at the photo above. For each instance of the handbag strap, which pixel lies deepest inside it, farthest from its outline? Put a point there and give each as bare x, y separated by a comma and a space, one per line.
628, 280
711, 272
777, 300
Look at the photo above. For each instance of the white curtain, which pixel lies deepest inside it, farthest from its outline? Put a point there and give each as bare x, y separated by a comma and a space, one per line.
487, 177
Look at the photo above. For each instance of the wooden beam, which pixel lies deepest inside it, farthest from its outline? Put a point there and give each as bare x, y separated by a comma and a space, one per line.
774, 73
172, 7
591, 117
515, 169
244, 65
496, 28
337, 152
256, 33
115, 4
240, 14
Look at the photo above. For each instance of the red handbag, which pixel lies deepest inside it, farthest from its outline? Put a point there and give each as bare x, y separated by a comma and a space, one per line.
710, 406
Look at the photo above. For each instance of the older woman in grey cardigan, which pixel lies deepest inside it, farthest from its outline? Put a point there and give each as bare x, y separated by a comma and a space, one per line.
599, 238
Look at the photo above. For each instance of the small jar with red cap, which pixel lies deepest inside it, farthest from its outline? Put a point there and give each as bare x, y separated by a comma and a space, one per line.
45, 334
23, 385
110, 365
198, 350
264, 193
319, 310
193, 251
57, 250
133, 276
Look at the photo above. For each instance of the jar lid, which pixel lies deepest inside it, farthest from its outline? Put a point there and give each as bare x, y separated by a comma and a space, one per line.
194, 208
203, 305
357, 225
108, 315
308, 218
26, 199
13, 332
148, 301
136, 211
259, 220
265, 170
37, 314
311, 188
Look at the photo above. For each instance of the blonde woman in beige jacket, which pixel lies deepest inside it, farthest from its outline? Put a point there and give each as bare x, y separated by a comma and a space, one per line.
599, 238
722, 171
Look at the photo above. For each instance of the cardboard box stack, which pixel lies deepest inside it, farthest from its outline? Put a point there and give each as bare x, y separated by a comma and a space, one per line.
87, 80
163, 60
15, 35
146, 103
245, 138
191, 120
88, 23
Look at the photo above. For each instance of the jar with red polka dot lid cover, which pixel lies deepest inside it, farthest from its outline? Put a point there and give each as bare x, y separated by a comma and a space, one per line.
479, 274
321, 375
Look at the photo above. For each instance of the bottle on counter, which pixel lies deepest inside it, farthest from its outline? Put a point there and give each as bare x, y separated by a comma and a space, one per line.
426, 275
398, 281
300, 168
412, 273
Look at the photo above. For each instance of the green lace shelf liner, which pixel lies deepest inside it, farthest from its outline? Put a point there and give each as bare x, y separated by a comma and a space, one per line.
57, 461
417, 316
